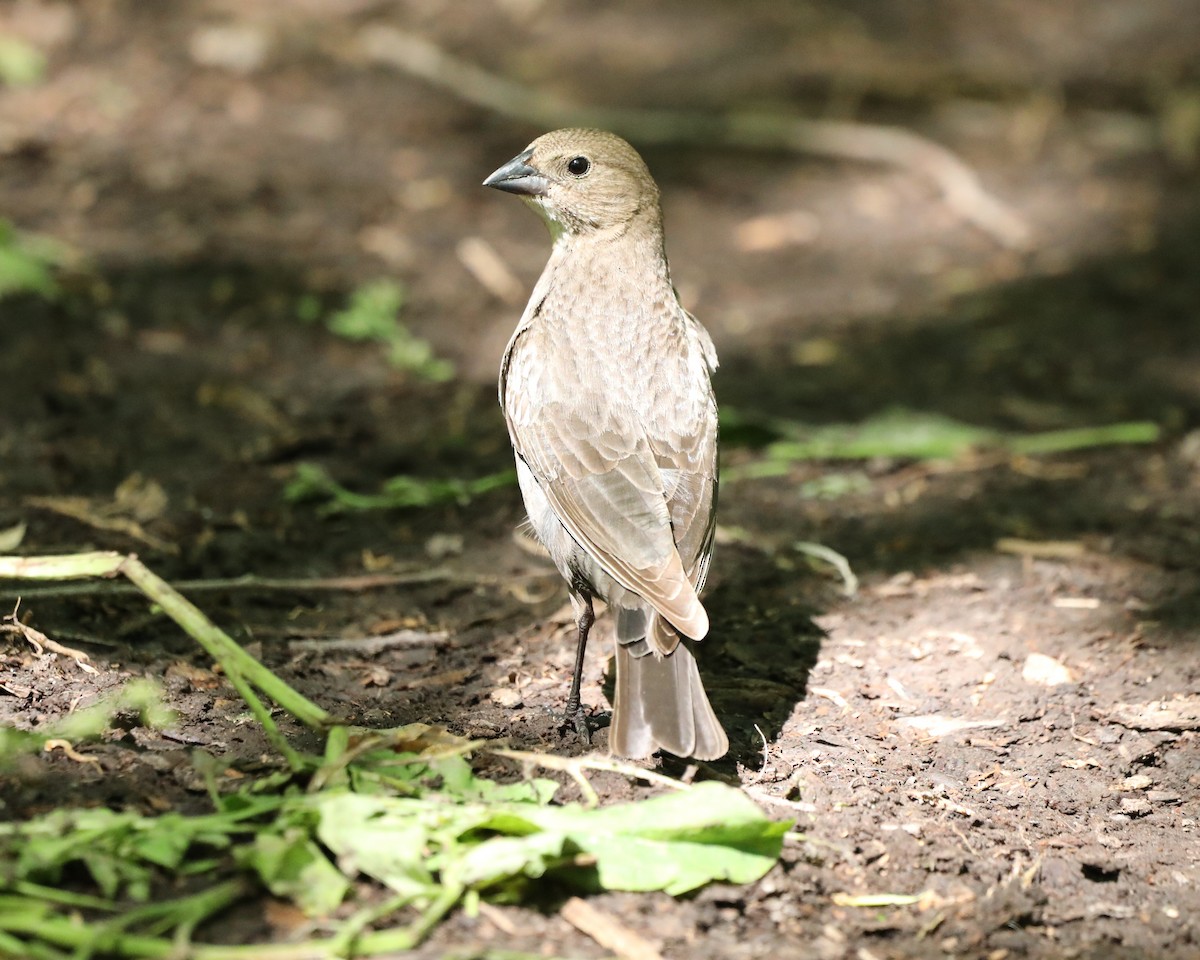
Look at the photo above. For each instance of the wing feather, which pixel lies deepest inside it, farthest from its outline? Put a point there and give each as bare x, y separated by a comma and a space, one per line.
640, 502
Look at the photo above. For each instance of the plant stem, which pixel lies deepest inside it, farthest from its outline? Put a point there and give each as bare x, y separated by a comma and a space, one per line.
221, 647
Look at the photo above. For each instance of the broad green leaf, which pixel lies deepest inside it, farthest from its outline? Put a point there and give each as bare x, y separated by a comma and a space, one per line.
893, 433
311, 482
918, 435
675, 842
501, 858
1083, 438
459, 781
371, 314
383, 837
164, 842
294, 867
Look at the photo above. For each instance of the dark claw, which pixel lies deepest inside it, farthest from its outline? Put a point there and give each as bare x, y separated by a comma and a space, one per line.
576, 716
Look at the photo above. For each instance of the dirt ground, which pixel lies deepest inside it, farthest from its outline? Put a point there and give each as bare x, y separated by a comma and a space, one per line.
1003, 719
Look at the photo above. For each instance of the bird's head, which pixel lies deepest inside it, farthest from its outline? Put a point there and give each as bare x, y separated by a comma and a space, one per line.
582, 181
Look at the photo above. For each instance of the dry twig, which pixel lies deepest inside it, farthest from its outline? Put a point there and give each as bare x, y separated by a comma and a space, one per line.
40, 642
607, 931
369, 645
575, 767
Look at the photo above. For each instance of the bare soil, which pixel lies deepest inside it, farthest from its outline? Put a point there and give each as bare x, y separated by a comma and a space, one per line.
1009, 731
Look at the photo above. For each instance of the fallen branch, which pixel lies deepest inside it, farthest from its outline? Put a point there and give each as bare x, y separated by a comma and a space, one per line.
872, 143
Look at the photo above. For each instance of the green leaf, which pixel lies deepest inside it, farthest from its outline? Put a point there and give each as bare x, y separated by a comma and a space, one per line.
25, 264
502, 858
459, 780
1082, 438
291, 865
674, 843
371, 313
383, 837
311, 482
913, 435
373, 316
21, 63
165, 843
308, 308
893, 433
406, 352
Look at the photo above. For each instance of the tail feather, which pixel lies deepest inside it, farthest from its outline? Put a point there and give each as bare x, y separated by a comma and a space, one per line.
660, 700
644, 629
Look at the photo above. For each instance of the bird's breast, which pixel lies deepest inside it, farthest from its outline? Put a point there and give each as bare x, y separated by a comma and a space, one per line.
606, 343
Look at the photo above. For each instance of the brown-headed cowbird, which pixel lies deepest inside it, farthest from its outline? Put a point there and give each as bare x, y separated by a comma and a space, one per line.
605, 387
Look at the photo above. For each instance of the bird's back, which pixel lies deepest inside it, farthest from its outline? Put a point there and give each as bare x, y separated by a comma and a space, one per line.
607, 368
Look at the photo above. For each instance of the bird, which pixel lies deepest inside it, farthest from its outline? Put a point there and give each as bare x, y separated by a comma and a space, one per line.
606, 389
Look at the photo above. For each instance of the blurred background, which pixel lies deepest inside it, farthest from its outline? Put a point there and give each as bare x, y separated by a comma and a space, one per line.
285, 135
256, 232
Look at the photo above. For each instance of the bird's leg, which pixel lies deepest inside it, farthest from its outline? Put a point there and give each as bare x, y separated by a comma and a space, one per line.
575, 714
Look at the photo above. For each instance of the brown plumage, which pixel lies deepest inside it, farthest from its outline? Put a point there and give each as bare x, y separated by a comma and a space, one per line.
605, 387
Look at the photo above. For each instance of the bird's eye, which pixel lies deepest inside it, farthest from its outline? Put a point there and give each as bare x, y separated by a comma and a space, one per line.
578, 166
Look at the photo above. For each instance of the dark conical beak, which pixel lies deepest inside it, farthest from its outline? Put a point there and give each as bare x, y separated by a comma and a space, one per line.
517, 176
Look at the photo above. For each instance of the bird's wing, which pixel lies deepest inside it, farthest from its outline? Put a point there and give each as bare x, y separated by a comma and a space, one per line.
687, 456
692, 503
602, 479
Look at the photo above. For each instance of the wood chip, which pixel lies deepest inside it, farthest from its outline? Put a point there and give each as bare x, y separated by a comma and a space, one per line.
831, 695
1182, 713
506, 697
238, 48
606, 931
497, 918
1044, 671
376, 676
1077, 603
446, 679
100, 516
936, 725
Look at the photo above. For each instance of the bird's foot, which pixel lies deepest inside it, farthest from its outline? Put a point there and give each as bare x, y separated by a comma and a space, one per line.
578, 721
575, 716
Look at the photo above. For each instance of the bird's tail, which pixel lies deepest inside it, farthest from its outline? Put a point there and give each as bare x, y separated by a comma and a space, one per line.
660, 700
